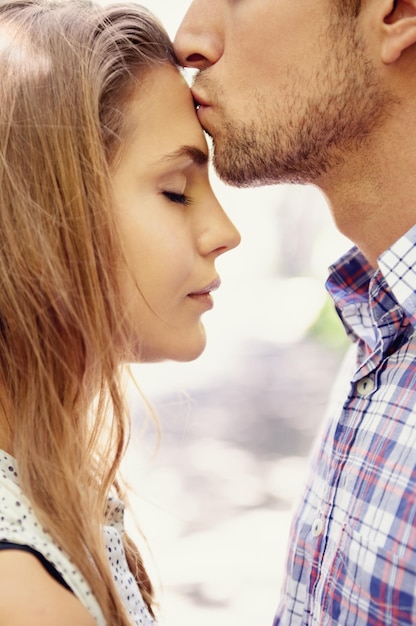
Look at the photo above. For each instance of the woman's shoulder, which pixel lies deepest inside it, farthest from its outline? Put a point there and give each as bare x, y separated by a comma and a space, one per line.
19, 524
30, 595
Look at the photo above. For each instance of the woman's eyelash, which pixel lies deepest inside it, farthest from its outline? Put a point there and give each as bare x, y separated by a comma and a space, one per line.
178, 198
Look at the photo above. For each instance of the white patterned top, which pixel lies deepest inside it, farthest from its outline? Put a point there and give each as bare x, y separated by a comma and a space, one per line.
18, 524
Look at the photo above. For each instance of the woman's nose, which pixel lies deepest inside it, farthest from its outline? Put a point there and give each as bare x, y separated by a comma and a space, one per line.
198, 42
220, 234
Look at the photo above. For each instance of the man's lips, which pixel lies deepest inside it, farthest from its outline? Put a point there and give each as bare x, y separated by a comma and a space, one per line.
201, 106
199, 100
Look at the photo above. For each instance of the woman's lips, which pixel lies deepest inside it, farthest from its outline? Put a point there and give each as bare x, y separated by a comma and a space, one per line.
213, 286
204, 296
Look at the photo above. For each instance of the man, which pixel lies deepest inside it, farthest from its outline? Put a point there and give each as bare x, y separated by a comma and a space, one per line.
324, 92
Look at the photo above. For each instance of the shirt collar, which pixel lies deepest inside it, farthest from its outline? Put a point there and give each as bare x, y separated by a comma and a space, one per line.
398, 266
373, 303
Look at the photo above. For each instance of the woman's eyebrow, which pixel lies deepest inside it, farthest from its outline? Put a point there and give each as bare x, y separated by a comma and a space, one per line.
198, 156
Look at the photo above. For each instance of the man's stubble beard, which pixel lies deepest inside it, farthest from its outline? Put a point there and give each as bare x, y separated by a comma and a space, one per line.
298, 138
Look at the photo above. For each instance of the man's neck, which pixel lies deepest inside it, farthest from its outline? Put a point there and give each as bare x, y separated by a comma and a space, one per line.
373, 195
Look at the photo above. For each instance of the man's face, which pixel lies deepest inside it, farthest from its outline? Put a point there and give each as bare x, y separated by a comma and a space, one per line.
286, 89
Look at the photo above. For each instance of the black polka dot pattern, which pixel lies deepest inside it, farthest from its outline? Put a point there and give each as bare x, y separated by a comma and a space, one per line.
123, 578
18, 524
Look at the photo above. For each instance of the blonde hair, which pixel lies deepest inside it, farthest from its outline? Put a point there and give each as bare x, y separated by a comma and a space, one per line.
68, 69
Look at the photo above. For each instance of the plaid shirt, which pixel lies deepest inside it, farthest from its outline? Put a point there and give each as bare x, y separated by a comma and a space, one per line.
352, 551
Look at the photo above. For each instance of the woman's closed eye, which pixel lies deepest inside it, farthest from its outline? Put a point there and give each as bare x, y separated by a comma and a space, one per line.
177, 198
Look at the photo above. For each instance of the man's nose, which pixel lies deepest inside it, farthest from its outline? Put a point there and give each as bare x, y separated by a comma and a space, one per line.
199, 42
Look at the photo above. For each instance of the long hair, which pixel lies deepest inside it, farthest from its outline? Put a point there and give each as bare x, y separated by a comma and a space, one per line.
68, 69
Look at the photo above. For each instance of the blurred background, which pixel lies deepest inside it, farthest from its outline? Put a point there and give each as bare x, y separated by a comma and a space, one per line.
214, 490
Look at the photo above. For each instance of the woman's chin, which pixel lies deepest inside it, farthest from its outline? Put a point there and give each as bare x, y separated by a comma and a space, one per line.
189, 351
189, 348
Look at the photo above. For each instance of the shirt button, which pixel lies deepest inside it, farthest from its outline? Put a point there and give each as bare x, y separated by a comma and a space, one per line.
365, 386
317, 528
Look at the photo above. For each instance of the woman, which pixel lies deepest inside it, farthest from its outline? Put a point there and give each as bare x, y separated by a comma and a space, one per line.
109, 234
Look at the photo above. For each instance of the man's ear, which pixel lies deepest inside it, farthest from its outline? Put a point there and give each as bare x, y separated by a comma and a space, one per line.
399, 29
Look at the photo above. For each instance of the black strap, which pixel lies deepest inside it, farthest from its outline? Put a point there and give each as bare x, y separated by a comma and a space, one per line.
5, 545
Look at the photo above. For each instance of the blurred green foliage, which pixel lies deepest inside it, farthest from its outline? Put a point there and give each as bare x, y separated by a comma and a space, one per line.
328, 328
